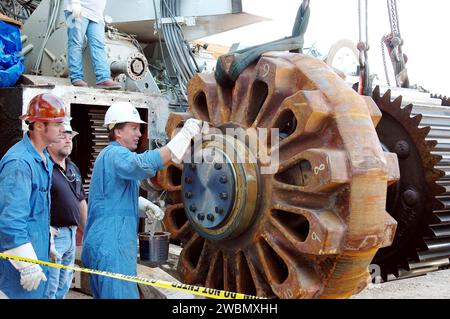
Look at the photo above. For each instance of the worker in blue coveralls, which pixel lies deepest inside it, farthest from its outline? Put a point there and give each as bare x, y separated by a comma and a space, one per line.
25, 180
110, 237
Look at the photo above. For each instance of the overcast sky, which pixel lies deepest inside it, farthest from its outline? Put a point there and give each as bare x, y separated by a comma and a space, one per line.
424, 27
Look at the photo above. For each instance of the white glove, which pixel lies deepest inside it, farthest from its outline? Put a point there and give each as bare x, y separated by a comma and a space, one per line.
30, 274
182, 141
75, 7
54, 255
151, 211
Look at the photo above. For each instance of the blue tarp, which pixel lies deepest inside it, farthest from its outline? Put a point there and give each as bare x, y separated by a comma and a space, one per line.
11, 62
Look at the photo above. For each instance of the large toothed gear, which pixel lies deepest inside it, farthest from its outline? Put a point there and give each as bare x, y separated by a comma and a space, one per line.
310, 227
419, 134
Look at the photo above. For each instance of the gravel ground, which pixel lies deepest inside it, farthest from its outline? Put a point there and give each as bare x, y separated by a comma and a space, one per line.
434, 285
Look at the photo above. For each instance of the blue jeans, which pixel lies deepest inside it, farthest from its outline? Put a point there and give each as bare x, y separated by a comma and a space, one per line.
59, 280
77, 29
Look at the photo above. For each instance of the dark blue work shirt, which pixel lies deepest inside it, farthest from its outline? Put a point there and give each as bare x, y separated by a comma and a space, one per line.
67, 192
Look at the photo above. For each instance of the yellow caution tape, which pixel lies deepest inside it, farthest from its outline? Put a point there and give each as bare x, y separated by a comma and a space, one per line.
196, 290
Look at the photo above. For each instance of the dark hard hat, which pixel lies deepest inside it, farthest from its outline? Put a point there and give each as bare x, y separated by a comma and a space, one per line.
45, 107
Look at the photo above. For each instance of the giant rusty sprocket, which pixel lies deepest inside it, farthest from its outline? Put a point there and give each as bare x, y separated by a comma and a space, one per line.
418, 132
309, 229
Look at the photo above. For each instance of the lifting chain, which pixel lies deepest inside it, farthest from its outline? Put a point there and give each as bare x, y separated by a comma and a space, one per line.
364, 87
384, 62
393, 17
394, 42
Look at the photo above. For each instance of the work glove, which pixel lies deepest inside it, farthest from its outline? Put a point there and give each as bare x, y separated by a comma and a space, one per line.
182, 141
75, 7
31, 275
54, 255
151, 211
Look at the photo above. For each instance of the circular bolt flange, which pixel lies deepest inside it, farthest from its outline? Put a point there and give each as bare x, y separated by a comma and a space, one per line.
410, 197
215, 183
201, 180
402, 149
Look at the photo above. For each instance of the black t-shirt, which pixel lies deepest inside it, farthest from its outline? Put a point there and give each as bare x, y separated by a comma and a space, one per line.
66, 194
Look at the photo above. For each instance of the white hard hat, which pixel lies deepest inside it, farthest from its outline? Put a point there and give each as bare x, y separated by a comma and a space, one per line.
121, 112
68, 129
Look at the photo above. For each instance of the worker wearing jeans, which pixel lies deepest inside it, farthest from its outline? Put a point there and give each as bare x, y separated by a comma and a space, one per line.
59, 280
68, 210
85, 18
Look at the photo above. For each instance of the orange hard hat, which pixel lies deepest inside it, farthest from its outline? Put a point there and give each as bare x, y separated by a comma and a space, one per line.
45, 107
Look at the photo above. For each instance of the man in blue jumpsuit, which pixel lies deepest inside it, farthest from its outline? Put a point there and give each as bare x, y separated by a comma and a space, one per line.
110, 237
25, 180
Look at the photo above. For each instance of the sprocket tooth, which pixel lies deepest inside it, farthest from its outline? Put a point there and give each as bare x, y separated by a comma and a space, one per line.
436, 174
408, 108
417, 119
424, 131
436, 189
397, 102
376, 93
386, 97
431, 144
435, 159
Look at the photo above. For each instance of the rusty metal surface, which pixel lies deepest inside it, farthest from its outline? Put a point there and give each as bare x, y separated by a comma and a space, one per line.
418, 133
320, 216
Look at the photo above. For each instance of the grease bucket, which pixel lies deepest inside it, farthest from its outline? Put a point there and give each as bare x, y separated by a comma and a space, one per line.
154, 249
